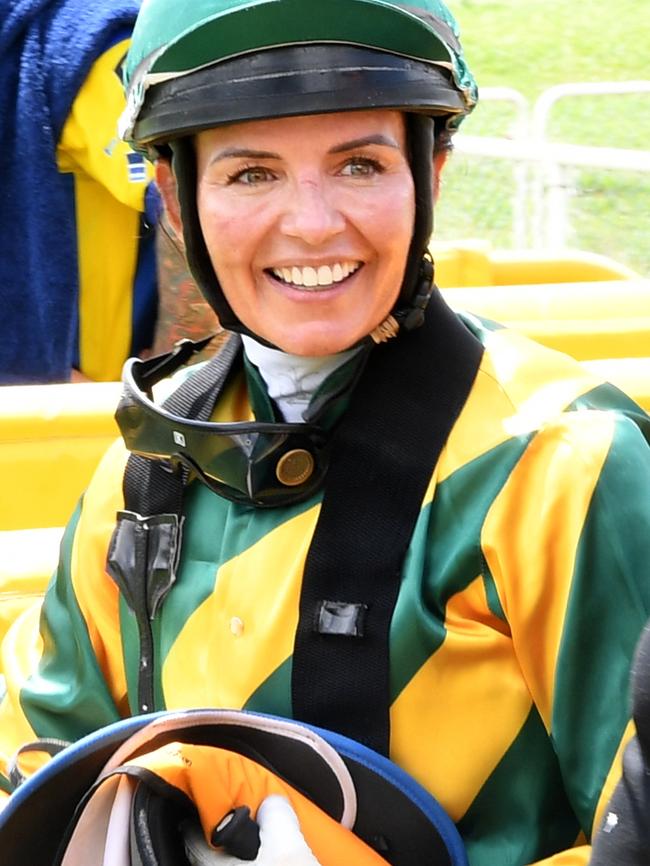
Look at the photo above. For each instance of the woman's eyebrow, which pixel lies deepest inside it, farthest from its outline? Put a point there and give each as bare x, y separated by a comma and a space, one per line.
377, 138
247, 153
243, 152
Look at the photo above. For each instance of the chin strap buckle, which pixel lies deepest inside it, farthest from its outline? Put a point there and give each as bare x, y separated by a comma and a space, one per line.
413, 316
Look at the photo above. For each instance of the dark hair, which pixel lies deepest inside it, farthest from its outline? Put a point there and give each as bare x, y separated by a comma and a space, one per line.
442, 141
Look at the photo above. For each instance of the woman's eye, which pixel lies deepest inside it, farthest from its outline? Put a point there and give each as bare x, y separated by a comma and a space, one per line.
361, 167
251, 176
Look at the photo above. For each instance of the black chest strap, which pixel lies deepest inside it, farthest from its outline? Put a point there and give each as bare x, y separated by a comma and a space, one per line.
383, 456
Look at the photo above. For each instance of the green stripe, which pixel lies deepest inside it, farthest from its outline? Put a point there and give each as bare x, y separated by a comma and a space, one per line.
274, 695
131, 655
608, 397
67, 696
130, 652
521, 813
445, 551
480, 326
590, 701
491, 593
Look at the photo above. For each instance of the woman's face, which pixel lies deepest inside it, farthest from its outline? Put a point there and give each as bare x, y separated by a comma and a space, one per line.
308, 222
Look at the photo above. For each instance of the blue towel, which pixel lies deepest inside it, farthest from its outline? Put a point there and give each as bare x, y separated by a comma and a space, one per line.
46, 50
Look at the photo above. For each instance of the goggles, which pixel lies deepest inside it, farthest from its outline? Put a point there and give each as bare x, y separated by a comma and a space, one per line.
255, 463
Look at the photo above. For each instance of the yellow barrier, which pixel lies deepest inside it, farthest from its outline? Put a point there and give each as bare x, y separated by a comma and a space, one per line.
27, 559
51, 437
476, 263
585, 319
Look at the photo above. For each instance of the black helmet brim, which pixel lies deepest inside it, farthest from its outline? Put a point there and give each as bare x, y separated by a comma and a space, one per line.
290, 81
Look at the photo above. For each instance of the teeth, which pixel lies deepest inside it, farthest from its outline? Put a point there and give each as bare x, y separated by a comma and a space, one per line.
325, 275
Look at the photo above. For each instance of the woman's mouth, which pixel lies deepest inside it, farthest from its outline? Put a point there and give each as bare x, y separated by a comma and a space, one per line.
315, 279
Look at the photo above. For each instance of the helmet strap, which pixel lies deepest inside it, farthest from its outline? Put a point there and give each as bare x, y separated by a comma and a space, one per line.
196, 251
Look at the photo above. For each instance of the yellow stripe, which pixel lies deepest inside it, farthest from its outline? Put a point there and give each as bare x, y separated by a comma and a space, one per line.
98, 595
523, 392
21, 651
247, 624
531, 565
612, 778
233, 404
573, 857
469, 691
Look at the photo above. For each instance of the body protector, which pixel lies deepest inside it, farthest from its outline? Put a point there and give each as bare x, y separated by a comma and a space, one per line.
214, 62
171, 788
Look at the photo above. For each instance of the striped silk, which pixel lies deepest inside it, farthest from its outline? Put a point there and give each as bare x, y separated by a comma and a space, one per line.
523, 593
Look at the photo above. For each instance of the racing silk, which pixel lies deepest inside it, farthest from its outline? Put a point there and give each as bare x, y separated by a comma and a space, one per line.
523, 593
77, 273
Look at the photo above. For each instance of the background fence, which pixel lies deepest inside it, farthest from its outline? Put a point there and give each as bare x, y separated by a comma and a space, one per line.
570, 170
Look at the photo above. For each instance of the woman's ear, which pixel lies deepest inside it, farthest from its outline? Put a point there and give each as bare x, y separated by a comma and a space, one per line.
439, 160
166, 183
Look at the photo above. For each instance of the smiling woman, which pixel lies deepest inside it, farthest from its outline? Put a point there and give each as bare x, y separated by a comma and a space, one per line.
367, 512
307, 221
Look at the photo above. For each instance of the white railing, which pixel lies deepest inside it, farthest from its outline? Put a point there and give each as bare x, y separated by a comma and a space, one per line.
540, 208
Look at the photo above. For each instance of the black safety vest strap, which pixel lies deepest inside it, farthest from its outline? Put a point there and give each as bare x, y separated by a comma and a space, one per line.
383, 456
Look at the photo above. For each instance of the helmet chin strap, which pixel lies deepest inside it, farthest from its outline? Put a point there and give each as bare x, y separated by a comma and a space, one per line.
417, 285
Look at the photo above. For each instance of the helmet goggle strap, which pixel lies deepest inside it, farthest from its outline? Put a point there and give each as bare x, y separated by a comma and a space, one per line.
417, 284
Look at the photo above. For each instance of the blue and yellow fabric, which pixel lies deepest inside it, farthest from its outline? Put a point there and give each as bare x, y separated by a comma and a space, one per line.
77, 270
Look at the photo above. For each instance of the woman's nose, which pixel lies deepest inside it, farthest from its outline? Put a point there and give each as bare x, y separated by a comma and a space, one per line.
311, 213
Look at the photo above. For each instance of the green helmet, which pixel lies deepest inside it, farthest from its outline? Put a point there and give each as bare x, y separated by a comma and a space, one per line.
196, 65
178, 48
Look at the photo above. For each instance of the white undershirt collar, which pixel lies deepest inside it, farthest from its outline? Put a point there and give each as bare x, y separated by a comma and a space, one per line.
292, 380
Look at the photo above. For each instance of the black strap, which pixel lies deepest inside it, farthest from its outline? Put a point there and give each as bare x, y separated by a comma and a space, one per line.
46, 745
383, 456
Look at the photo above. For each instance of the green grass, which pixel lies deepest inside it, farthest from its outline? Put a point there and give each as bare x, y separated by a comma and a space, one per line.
532, 45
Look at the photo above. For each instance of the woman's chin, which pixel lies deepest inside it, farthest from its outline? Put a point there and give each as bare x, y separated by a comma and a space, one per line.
313, 341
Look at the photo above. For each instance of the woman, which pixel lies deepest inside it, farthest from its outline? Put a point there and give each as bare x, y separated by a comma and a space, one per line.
409, 526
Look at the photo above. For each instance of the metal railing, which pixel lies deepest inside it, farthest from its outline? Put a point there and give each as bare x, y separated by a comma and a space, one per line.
540, 201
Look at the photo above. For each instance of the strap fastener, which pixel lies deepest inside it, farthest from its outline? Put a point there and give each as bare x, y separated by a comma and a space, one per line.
340, 618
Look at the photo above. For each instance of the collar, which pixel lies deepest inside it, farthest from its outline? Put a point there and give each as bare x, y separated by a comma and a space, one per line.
293, 381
